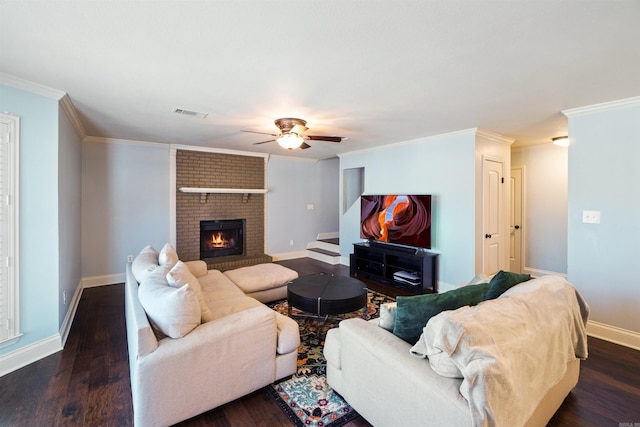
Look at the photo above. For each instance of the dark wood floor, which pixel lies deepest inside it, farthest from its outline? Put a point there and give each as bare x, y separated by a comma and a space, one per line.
87, 384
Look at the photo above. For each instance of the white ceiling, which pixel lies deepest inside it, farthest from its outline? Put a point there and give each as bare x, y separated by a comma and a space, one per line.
377, 72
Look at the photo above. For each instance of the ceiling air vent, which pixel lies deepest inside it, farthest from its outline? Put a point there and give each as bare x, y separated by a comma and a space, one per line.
189, 113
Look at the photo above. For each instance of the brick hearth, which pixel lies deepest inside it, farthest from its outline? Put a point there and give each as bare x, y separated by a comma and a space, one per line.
215, 170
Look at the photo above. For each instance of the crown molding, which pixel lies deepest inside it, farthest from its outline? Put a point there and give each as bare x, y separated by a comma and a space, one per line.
605, 106
32, 87
474, 132
72, 114
465, 132
60, 96
495, 137
103, 140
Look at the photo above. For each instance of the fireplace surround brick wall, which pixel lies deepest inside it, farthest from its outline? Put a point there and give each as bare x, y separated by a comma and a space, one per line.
216, 170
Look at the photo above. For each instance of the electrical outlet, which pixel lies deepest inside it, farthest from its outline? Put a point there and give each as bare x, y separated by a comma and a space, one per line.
290, 242
591, 217
129, 258
310, 206
64, 297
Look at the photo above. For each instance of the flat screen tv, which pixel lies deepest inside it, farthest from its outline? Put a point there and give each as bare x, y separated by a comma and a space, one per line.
400, 219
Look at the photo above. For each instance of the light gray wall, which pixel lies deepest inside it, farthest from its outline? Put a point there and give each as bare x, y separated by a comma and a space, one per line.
69, 208
125, 203
604, 175
442, 166
293, 184
545, 216
38, 216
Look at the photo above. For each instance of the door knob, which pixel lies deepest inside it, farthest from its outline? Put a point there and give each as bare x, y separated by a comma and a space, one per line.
517, 227
487, 236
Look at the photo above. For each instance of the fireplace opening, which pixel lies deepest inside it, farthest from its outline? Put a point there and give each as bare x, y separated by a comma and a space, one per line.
219, 238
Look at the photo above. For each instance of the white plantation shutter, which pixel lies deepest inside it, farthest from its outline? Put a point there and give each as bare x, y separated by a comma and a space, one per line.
9, 316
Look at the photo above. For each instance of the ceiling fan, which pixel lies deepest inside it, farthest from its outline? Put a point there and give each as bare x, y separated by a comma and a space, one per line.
292, 134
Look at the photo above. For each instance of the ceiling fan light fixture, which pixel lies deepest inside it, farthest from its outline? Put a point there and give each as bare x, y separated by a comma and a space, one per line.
562, 141
290, 140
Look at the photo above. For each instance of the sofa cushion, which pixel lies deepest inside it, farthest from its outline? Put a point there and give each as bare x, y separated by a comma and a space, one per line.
173, 311
144, 263
502, 281
215, 285
260, 277
413, 313
180, 275
224, 307
168, 256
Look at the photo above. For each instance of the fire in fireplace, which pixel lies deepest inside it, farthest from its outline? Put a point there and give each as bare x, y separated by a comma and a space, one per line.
220, 238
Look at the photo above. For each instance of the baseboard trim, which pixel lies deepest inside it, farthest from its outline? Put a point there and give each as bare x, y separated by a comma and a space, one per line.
71, 314
614, 334
30, 353
107, 279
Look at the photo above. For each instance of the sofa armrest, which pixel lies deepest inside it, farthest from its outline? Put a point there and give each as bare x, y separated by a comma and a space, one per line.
288, 334
140, 337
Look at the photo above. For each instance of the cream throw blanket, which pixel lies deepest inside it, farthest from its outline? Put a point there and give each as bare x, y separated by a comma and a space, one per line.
511, 350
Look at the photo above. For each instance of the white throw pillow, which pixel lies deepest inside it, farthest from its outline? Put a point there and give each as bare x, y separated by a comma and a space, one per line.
173, 311
180, 275
198, 268
144, 263
168, 256
387, 316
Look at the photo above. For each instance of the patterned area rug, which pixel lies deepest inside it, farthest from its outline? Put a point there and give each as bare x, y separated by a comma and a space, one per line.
306, 397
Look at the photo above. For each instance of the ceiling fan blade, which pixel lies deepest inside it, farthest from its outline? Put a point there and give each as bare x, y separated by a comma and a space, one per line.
264, 142
261, 133
304, 146
324, 138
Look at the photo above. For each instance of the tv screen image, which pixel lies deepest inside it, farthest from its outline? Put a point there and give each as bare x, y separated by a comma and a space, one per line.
400, 219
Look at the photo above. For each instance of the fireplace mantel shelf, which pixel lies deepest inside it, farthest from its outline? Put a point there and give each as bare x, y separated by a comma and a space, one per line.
204, 191
224, 190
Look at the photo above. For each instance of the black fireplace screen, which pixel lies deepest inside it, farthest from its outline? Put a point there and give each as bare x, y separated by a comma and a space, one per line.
220, 238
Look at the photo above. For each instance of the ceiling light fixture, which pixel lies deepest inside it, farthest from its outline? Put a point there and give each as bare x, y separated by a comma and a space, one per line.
290, 140
562, 141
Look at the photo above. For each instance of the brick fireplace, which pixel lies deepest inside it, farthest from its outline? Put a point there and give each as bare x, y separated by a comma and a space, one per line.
198, 169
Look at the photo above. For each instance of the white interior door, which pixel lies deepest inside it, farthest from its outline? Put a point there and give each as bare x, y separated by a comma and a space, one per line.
492, 215
515, 220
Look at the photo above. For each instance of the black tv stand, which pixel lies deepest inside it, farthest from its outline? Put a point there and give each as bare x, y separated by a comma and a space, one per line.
382, 263
398, 248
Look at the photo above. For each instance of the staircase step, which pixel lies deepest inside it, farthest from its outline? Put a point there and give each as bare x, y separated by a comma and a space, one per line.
324, 251
334, 241
324, 255
325, 248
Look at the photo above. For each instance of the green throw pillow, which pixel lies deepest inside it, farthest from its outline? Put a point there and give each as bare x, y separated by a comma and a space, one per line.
413, 313
502, 281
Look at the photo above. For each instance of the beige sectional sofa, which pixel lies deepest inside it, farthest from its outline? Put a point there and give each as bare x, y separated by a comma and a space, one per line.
196, 341
509, 361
